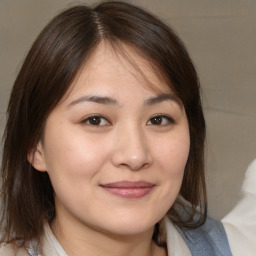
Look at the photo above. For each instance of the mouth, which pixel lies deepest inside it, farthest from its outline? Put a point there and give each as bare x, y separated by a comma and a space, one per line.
129, 189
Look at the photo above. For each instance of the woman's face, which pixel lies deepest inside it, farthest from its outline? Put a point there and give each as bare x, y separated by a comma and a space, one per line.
115, 150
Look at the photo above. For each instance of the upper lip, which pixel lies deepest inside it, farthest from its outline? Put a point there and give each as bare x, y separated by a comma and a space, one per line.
128, 184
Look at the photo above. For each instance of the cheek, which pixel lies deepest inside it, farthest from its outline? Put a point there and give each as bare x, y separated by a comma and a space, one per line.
73, 163
72, 155
173, 156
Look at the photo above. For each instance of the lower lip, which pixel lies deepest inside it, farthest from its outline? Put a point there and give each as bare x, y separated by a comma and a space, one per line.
128, 192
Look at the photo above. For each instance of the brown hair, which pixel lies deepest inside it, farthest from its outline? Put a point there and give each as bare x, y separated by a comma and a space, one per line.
48, 70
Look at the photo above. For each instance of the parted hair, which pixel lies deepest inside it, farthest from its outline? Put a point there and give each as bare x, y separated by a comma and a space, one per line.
49, 68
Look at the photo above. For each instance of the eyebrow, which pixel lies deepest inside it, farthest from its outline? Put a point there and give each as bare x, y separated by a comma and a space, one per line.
95, 99
161, 98
110, 101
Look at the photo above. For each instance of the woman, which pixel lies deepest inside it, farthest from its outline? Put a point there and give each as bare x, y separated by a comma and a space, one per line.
104, 142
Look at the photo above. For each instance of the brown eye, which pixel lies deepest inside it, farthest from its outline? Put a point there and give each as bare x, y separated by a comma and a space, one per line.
96, 121
160, 120
157, 120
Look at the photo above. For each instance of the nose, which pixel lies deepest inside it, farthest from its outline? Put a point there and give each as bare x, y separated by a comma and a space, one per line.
131, 150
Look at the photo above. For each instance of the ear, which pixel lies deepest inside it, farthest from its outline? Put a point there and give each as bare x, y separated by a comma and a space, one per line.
37, 159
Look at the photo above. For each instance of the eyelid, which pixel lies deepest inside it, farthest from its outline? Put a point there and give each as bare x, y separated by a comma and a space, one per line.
87, 118
168, 117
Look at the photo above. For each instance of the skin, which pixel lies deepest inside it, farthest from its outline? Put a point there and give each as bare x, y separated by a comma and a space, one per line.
123, 141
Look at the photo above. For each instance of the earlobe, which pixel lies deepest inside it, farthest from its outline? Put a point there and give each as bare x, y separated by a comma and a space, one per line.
37, 159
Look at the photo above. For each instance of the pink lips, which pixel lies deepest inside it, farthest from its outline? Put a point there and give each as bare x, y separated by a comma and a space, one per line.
128, 189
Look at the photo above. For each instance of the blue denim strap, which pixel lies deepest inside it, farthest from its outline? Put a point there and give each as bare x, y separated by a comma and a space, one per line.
208, 240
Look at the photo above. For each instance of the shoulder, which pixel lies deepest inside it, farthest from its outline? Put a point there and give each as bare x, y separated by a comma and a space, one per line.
208, 239
12, 249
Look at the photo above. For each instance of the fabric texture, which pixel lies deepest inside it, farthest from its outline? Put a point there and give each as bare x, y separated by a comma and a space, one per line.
208, 240
240, 223
12, 249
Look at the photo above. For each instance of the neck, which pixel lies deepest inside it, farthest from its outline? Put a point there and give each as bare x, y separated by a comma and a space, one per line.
78, 240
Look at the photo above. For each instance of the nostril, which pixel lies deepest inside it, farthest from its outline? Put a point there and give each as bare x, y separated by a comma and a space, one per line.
144, 166
135, 166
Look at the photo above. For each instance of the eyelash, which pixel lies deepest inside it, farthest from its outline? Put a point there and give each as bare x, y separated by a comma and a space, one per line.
95, 118
157, 118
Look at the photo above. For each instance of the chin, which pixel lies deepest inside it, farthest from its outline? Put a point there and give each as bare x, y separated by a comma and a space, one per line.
131, 230
132, 225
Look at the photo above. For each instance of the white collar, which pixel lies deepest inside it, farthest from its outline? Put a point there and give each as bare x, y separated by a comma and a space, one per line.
50, 244
176, 245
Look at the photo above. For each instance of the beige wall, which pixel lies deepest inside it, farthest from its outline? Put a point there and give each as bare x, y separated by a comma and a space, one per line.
221, 37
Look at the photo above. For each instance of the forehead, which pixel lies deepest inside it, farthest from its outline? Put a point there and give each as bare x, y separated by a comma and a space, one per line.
123, 61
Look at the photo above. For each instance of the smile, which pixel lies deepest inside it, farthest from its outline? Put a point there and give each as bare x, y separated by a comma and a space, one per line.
128, 189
